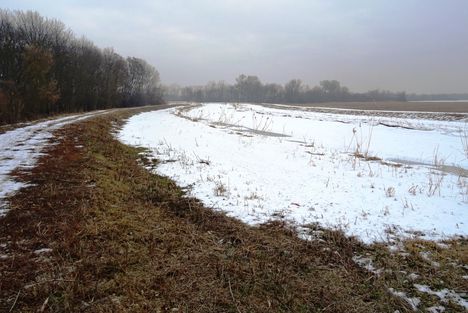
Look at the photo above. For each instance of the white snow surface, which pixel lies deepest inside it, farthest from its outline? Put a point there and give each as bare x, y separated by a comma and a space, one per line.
368, 264
258, 163
22, 146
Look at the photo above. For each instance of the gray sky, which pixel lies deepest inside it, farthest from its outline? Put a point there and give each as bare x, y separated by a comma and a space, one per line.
412, 45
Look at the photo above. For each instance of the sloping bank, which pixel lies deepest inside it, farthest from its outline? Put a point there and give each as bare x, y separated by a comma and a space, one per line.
96, 232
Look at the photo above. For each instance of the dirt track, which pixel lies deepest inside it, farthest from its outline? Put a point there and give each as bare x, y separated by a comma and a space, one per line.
448, 107
439, 111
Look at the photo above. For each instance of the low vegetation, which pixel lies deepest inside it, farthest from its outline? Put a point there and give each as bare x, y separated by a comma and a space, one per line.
464, 140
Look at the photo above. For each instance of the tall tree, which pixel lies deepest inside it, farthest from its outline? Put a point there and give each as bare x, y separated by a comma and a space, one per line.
45, 69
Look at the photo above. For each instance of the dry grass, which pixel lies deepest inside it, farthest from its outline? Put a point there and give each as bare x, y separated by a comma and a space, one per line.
464, 139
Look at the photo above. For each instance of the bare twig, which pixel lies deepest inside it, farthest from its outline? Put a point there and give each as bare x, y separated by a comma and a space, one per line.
464, 140
16, 299
232, 295
43, 307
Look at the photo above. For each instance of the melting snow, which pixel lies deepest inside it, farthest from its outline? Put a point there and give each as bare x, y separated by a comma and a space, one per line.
367, 263
426, 255
413, 302
43, 250
445, 295
436, 309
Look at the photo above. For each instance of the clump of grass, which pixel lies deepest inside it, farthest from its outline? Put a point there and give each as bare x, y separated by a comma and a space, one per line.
390, 192
253, 196
261, 124
220, 189
362, 144
435, 180
464, 140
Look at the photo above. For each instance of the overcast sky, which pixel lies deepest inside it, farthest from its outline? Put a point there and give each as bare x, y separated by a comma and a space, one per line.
413, 45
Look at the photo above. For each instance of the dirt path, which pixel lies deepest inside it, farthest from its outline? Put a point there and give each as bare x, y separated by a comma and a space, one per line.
399, 110
20, 147
424, 107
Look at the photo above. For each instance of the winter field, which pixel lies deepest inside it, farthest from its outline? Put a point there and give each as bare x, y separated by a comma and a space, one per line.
374, 177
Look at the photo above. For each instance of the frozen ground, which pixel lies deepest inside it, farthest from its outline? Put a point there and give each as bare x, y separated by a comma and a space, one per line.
373, 177
21, 147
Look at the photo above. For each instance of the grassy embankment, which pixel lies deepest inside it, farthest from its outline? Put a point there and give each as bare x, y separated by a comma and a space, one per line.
124, 240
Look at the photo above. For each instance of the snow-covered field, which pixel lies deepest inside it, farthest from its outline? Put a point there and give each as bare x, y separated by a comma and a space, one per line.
21, 147
373, 177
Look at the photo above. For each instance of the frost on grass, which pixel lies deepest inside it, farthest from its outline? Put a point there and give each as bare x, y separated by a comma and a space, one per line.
42, 250
426, 256
412, 301
367, 263
445, 295
436, 309
376, 178
21, 147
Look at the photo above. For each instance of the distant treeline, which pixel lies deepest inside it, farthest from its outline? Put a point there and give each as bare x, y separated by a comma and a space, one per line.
251, 89
438, 97
45, 69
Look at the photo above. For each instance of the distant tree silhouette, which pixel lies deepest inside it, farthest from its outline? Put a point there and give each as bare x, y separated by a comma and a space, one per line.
249, 88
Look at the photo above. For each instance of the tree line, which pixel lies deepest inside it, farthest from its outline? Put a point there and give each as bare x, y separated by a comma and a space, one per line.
438, 97
251, 89
45, 69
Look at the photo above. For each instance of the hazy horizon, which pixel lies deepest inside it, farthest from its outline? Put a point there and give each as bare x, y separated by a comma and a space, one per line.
415, 46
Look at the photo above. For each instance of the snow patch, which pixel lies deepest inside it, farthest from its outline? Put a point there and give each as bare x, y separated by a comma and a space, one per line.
367, 263
442, 245
426, 256
436, 309
352, 173
413, 302
445, 295
413, 276
43, 250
